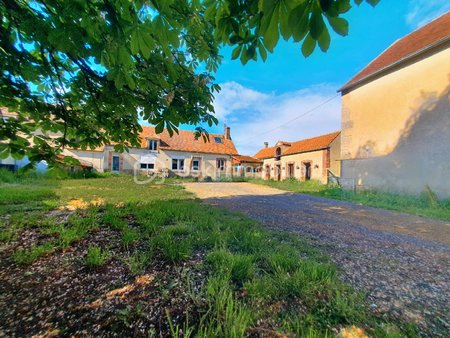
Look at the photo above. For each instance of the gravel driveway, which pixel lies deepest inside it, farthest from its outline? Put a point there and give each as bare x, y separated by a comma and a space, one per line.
401, 261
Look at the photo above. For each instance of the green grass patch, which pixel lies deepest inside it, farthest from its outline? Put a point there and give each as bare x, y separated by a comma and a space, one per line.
27, 256
249, 271
96, 256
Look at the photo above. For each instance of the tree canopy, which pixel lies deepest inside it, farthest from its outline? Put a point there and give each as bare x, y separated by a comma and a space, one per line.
90, 71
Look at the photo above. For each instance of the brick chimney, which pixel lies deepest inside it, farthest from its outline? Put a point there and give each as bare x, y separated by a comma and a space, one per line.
227, 133
266, 144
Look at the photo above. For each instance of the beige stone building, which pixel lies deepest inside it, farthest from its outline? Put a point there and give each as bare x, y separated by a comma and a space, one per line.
180, 154
316, 158
396, 116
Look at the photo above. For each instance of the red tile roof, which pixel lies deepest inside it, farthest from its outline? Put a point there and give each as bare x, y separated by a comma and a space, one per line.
185, 141
238, 159
302, 146
420, 40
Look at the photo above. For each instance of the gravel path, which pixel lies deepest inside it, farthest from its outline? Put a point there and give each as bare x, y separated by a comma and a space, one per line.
401, 261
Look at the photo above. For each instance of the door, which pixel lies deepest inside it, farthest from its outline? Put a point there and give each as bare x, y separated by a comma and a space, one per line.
291, 170
278, 173
307, 171
116, 163
267, 172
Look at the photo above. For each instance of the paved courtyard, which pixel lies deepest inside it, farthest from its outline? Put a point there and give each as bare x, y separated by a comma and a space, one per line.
401, 261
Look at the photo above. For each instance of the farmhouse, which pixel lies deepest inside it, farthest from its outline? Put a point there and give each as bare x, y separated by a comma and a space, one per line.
180, 154
316, 158
396, 116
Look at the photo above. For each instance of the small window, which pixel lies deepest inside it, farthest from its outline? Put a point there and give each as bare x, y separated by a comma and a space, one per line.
195, 164
278, 154
218, 140
149, 166
178, 164
153, 145
221, 164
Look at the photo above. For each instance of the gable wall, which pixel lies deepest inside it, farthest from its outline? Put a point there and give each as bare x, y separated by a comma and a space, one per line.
396, 129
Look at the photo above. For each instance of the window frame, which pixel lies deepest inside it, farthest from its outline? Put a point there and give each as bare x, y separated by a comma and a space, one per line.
220, 168
147, 166
178, 161
195, 159
218, 140
149, 145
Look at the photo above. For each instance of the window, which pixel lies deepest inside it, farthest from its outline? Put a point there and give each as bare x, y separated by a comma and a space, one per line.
153, 145
148, 166
195, 164
177, 164
221, 164
218, 139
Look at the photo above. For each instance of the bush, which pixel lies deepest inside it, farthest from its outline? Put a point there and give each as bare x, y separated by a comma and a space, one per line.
7, 176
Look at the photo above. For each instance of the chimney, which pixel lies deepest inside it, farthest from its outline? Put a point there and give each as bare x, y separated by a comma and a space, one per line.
266, 144
227, 133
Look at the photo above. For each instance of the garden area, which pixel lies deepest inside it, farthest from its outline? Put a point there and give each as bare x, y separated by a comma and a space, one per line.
108, 257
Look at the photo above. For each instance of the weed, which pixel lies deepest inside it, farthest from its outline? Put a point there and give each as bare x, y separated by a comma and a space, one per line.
137, 262
130, 236
172, 248
96, 256
226, 316
68, 235
28, 256
177, 331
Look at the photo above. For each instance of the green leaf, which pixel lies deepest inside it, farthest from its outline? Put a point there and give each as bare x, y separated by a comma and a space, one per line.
308, 46
159, 128
339, 25
262, 51
236, 52
324, 40
135, 41
272, 35
299, 19
316, 24
343, 6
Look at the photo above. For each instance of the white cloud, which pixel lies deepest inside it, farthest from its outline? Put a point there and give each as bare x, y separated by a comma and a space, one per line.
421, 12
256, 117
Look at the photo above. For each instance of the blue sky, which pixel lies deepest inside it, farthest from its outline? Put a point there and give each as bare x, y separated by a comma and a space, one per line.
272, 101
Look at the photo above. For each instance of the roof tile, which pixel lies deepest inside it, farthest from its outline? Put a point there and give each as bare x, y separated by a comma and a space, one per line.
430, 34
311, 144
185, 141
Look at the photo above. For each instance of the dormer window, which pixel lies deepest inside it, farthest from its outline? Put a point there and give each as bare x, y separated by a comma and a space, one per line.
153, 145
218, 140
278, 154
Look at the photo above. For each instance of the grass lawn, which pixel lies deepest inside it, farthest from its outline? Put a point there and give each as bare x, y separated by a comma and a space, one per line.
106, 256
425, 205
